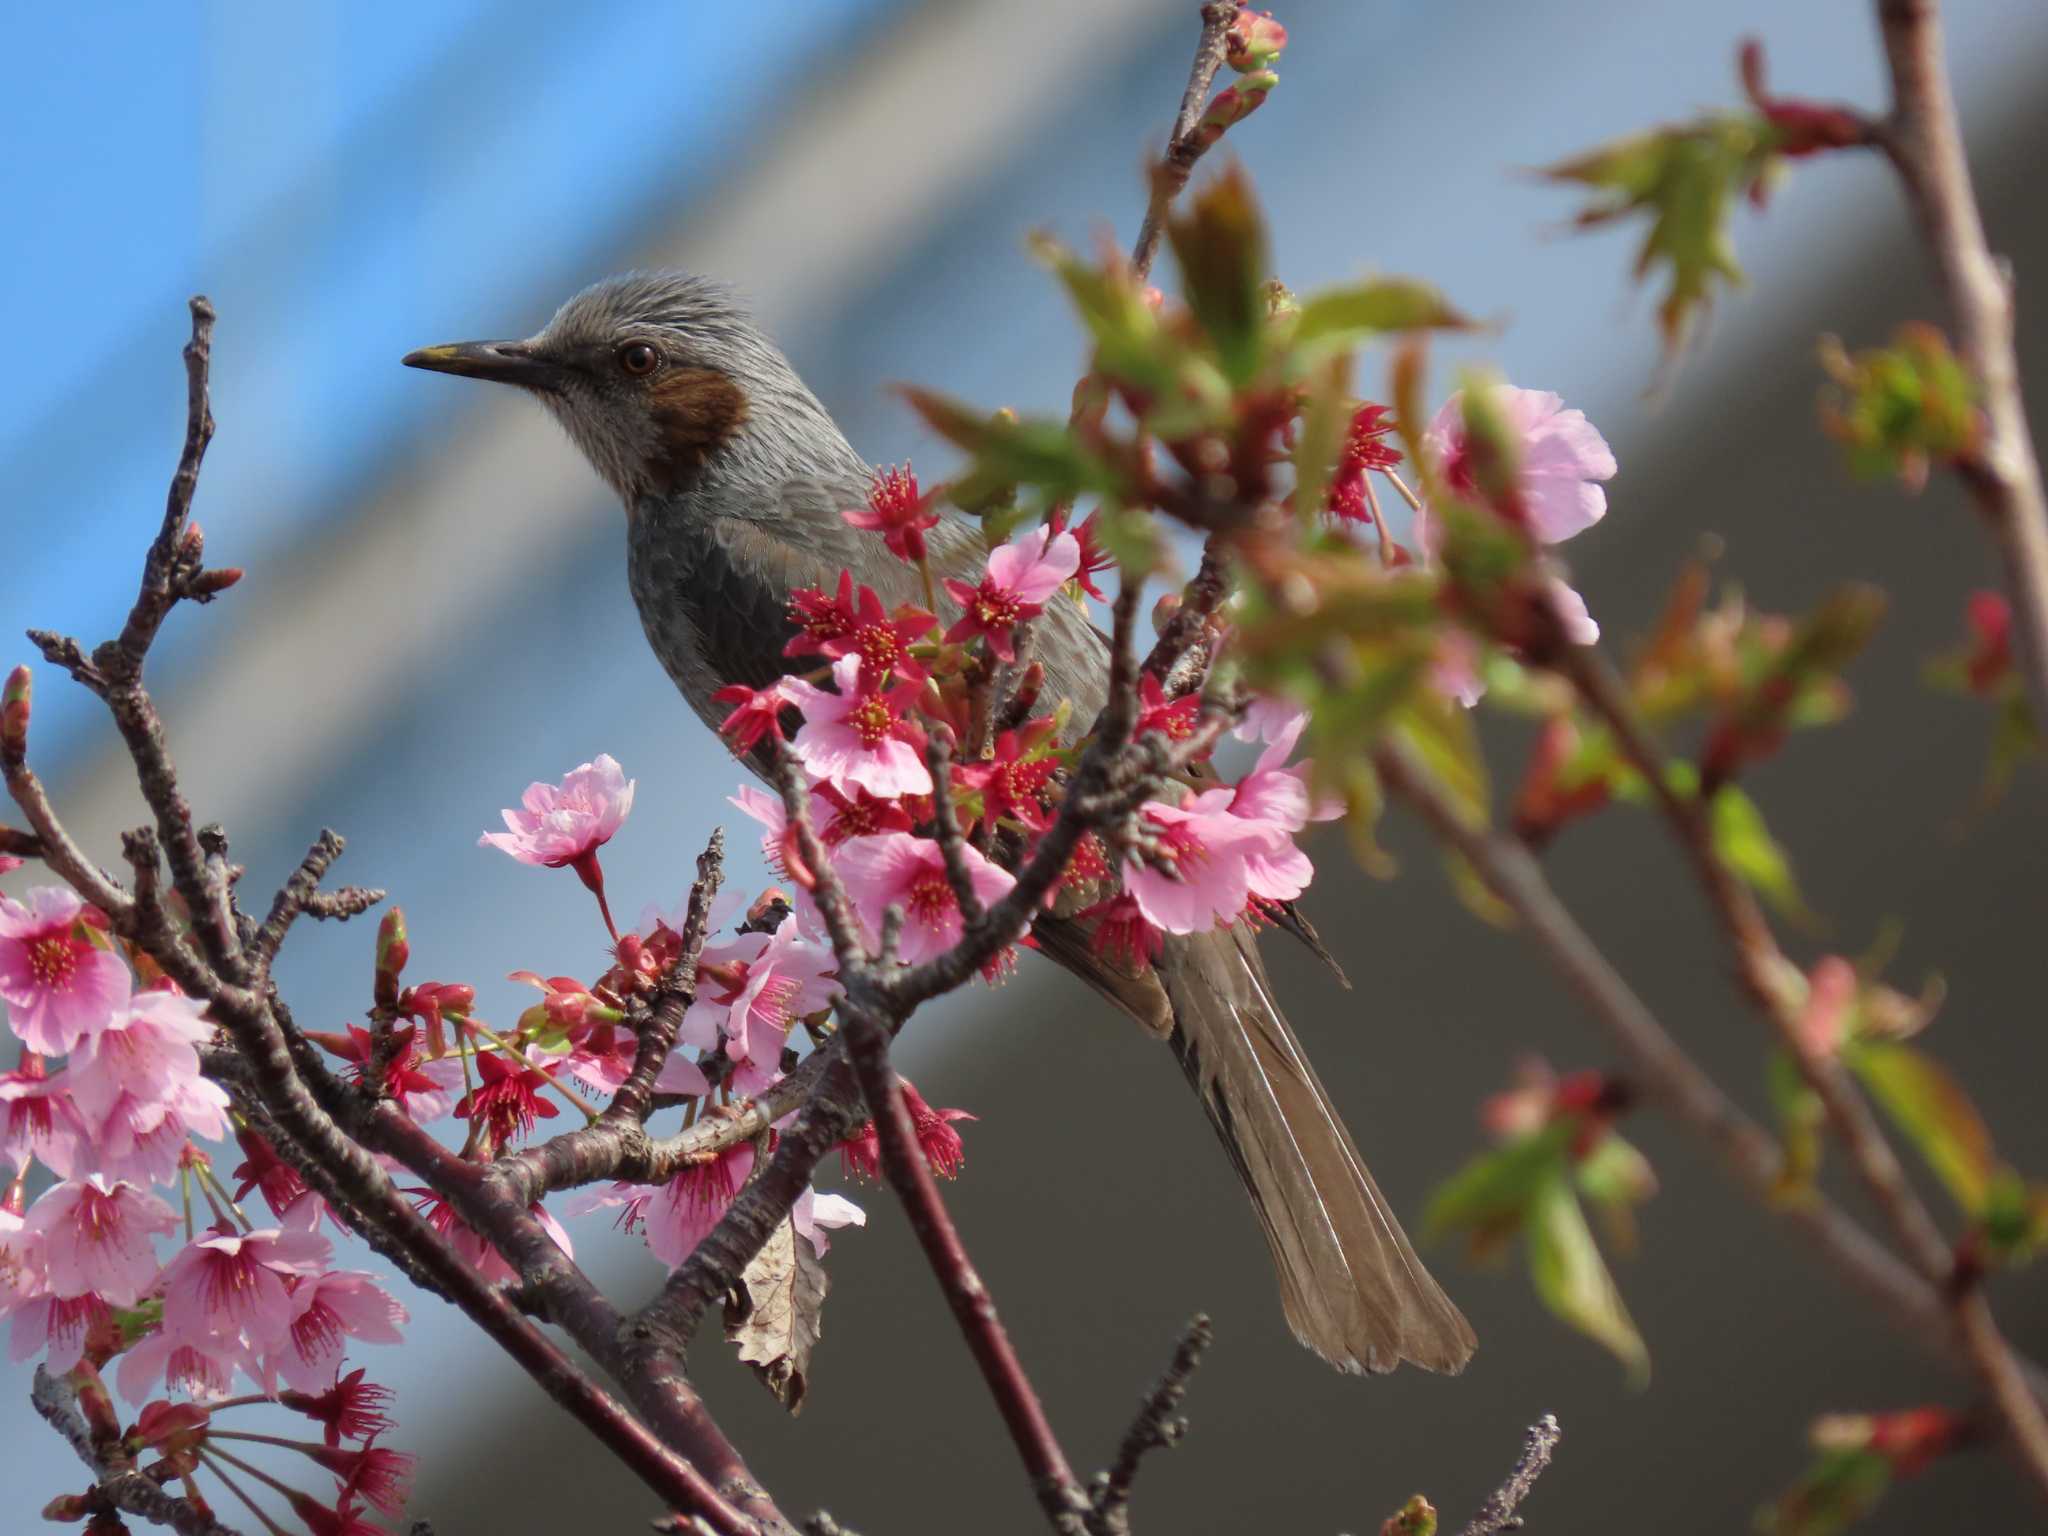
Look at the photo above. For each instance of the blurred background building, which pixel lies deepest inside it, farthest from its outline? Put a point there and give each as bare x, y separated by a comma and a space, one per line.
436, 613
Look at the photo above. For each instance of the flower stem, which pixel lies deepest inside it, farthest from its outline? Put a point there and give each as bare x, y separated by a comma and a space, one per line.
592, 874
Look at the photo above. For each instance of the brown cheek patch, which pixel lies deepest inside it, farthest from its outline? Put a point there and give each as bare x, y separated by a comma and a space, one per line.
695, 410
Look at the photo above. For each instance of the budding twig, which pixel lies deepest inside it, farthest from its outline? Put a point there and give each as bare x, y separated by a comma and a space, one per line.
1500, 1512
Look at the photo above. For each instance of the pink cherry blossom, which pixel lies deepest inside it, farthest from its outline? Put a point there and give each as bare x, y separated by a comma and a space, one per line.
855, 738
683, 1210
200, 1370
474, 1250
1022, 575
59, 1324
325, 1313
149, 1050
21, 1261
137, 1085
896, 869
96, 1237
1561, 458
815, 1214
561, 823
1273, 799
750, 992
58, 988
226, 1285
38, 1119
1210, 853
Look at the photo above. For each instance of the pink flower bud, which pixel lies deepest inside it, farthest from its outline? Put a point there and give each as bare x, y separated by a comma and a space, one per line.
1254, 41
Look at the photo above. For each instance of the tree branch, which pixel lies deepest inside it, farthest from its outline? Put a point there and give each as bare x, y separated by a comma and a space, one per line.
1924, 141
117, 1485
1763, 968
1185, 147
1660, 1065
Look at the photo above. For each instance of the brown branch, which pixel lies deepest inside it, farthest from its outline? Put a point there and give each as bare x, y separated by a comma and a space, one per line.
910, 1175
117, 1485
1186, 146
1660, 1066
1763, 968
683, 1456
635, 1096
1924, 141
1501, 1511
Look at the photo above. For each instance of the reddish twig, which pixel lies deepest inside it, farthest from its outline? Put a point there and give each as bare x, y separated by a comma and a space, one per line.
1924, 141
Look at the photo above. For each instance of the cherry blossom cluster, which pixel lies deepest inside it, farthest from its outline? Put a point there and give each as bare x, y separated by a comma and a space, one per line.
1560, 461
109, 1099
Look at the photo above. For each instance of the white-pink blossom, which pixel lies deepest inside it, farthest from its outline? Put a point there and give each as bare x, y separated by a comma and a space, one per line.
1560, 460
201, 1371
683, 1210
38, 1119
855, 736
97, 1238
327, 1311
814, 1214
228, 1285
138, 1086
557, 824
58, 987
750, 992
897, 869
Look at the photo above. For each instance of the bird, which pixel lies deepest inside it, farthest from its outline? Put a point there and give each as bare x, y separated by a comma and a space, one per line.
734, 477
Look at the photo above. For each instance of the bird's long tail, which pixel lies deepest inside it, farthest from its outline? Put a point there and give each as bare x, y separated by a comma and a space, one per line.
1351, 1285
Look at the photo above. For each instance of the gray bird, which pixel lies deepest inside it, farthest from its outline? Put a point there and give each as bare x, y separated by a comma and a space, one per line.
733, 478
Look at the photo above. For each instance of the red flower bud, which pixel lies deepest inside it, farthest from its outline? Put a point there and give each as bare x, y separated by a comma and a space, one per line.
15, 699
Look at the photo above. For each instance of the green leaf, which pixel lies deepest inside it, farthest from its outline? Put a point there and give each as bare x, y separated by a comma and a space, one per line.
1131, 346
1840, 1488
1493, 1192
1353, 313
1682, 180
1746, 846
1572, 1278
1800, 1118
1897, 410
1220, 244
1440, 732
1934, 1112
1007, 451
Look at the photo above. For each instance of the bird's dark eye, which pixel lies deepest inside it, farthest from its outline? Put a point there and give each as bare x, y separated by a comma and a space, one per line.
638, 358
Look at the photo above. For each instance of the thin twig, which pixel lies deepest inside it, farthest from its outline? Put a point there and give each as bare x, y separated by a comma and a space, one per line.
1185, 147
1924, 141
1156, 1427
635, 1096
1501, 1510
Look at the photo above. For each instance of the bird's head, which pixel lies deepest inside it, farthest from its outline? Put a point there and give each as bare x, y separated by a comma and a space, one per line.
663, 380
